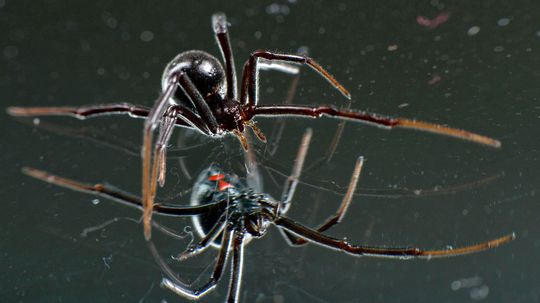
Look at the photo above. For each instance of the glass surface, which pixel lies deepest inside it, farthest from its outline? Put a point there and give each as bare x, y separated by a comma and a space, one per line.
469, 64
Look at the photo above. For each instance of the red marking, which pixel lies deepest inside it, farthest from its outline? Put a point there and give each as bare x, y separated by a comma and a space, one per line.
216, 177
223, 185
435, 22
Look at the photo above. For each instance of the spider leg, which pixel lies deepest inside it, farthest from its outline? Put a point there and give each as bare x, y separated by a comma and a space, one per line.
172, 282
110, 192
155, 115
370, 118
84, 112
173, 114
253, 174
165, 132
219, 24
205, 242
151, 168
249, 96
269, 65
237, 263
292, 181
335, 140
316, 237
342, 210
186, 119
200, 104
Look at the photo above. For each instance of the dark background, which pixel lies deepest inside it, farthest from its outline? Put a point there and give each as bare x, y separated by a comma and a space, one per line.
76, 53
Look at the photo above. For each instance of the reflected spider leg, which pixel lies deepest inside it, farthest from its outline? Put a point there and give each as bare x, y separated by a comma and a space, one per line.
292, 181
109, 192
206, 241
247, 215
172, 282
342, 210
237, 264
316, 237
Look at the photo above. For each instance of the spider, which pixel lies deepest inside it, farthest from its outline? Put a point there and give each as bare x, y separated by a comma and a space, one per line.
234, 214
199, 93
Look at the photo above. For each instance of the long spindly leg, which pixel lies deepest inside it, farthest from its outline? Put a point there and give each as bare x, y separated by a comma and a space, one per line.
205, 242
371, 118
165, 133
314, 236
250, 74
172, 282
219, 24
342, 210
237, 263
187, 118
115, 194
166, 128
151, 168
81, 112
292, 181
154, 117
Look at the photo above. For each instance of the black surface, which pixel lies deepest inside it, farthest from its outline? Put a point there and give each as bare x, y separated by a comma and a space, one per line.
66, 53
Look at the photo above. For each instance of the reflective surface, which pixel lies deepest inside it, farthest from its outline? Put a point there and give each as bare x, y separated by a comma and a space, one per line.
473, 66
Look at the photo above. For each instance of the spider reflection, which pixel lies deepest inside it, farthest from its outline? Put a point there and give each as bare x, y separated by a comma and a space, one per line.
228, 214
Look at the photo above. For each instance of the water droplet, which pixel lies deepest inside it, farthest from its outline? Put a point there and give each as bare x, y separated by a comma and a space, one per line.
473, 30
503, 22
11, 51
498, 49
147, 36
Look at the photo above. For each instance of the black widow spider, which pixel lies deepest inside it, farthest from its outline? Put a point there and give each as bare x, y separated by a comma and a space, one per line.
240, 214
208, 101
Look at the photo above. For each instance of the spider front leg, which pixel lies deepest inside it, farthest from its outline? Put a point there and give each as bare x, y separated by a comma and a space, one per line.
219, 24
82, 112
153, 171
155, 115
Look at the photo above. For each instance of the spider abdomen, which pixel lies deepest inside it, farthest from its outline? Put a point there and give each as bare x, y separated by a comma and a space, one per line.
203, 69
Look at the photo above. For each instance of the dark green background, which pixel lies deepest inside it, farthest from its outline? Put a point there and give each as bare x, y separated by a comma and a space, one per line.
78, 52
